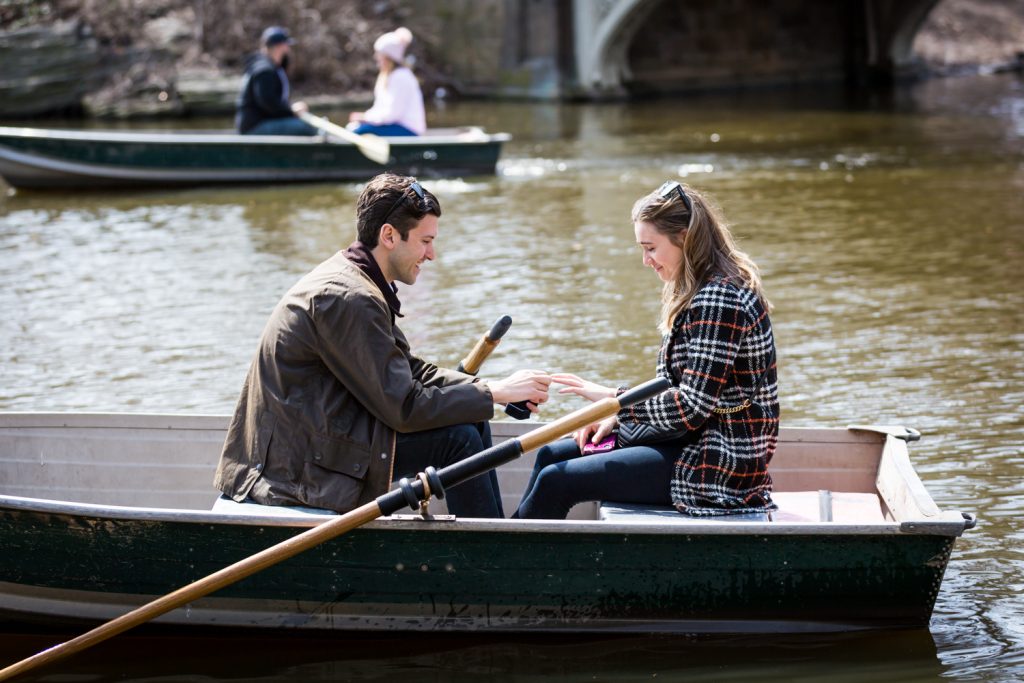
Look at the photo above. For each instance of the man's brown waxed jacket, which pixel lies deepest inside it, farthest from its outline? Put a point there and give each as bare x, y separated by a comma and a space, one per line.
332, 382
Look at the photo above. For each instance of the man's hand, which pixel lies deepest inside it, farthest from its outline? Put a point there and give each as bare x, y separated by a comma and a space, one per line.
523, 385
581, 387
300, 107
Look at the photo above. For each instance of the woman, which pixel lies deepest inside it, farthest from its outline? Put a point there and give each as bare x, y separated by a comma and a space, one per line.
722, 413
397, 100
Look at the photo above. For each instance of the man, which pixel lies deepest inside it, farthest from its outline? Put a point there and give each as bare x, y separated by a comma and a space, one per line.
262, 106
335, 405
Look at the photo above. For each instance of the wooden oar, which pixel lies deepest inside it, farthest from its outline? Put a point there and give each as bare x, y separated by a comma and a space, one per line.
487, 343
408, 493
373, 148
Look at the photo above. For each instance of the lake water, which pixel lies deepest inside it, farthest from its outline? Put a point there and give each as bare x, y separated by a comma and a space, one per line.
890, 232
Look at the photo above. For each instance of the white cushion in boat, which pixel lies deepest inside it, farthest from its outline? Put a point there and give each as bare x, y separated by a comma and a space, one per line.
225, 505
848, 507
625, 512
794, 506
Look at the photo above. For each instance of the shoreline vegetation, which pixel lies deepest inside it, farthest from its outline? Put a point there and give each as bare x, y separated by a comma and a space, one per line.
171, 58
126, 59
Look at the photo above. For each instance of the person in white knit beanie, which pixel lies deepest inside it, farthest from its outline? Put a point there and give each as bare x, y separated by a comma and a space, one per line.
397, 99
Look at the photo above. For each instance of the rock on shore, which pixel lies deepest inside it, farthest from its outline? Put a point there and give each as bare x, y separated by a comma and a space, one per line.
48, 68
138, 58
973, 35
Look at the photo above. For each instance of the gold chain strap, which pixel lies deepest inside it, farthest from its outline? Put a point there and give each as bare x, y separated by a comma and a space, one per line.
733, 409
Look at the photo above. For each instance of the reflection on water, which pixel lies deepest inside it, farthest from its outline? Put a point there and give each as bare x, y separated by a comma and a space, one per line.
890, 231
849, 658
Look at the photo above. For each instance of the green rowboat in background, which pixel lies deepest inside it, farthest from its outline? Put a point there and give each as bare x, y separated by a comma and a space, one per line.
102, 513
37, 158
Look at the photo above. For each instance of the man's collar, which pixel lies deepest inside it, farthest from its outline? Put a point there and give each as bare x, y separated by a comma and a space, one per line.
359, 255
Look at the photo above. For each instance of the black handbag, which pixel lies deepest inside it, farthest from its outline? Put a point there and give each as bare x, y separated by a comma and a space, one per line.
631, 434
640, 434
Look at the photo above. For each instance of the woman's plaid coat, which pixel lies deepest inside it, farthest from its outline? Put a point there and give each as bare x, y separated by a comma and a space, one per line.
714, 356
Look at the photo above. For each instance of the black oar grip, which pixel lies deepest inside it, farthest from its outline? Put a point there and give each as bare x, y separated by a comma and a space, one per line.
453, 475
518, 410
500, 327
647, 390
471, 363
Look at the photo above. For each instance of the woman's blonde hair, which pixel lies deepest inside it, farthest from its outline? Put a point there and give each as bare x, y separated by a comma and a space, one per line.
385, 73
708, 247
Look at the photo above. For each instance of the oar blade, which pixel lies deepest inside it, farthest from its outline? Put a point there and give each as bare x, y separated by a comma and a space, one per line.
372, 147
375, 148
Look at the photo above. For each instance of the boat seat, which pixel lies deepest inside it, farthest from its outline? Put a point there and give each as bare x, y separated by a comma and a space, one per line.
626, 512
794, 506
847, 507
227, 506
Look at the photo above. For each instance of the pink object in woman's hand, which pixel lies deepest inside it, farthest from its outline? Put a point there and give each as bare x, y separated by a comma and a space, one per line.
605, 444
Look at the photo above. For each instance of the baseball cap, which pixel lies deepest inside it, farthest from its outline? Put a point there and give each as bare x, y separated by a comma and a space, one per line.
274, 35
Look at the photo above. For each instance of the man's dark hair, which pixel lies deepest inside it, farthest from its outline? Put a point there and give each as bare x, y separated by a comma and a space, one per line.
392, 193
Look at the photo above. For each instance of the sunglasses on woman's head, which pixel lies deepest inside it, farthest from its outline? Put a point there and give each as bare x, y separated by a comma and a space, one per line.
670, 187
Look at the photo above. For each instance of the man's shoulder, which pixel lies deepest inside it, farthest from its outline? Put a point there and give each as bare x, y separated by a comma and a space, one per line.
338, 278
258, 64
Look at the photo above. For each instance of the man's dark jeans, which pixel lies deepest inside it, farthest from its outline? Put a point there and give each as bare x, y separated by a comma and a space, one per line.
478, 497
287, 125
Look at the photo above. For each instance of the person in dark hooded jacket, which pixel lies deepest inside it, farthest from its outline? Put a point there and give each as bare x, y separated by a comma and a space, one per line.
263, 107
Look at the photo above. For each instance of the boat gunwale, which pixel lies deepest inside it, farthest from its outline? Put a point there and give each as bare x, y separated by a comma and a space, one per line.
147, 174
950, 525
170, 421
472, 136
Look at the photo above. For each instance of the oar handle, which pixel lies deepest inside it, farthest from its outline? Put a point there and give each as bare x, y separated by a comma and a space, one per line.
471, 363
488, 459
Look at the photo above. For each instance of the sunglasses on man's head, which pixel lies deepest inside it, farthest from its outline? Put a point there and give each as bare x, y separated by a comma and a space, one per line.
415, 187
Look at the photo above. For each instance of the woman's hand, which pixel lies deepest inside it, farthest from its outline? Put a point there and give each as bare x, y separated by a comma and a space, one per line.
595, 433
581, 387
355, 117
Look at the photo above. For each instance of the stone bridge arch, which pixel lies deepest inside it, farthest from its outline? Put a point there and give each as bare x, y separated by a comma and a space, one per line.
852, 39
604, 30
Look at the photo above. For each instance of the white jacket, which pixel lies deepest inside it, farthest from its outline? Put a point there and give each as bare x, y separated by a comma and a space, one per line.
399, 101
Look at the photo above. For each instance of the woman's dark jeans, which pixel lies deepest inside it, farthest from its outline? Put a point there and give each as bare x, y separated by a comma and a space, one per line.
562, 477
391, 130
478, 497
